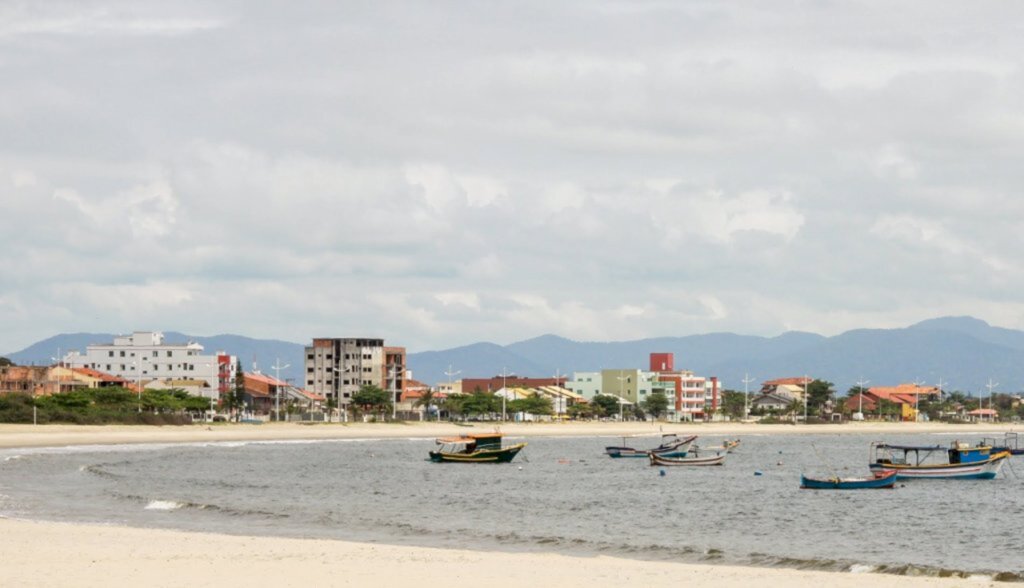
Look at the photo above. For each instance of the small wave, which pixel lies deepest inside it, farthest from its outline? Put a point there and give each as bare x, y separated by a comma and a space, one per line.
12, 457
163, 505
861, 569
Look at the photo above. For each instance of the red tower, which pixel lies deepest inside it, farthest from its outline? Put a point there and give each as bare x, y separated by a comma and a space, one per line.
662, 362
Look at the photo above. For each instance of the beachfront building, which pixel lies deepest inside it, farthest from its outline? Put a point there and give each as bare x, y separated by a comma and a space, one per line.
144, 356
337, 368
790, 388
26, 379
691, 397
586, 384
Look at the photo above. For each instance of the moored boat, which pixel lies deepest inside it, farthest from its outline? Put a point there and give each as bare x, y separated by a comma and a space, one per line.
711, 460
882, 479
959, 461
671, 445
477, 448
1009, 442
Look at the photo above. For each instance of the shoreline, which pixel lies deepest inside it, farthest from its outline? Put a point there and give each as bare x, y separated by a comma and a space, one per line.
101, 555
61, 435
95, 555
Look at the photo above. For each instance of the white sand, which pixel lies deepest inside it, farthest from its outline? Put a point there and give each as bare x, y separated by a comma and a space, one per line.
60, 554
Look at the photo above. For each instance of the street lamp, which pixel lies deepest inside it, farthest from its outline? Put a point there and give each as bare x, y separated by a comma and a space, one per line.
138, 373
860, 397
393, 371
806, 377
746, 395
277, 367
990, 386
449, 373
621, 378
342, 414
504, 391
58, 363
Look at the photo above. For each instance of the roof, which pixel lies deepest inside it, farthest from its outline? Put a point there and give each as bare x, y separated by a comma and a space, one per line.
789, 381
984, 412
905, 390
102, 376
265, 379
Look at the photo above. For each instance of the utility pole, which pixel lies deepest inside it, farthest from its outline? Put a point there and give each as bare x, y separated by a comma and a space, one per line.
990, 386
449, 373
504, 391
806, 377
277, 367
860, 396
917, 397
746, 395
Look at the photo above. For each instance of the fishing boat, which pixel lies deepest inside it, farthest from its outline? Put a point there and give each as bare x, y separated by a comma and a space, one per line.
671, 445
711, 460
1009, 442
727, 446
882, 479
477, 448
959, 460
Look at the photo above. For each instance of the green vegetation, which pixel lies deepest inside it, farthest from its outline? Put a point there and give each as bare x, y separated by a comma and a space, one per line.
371, 399
103, 406
656, 404
5, 362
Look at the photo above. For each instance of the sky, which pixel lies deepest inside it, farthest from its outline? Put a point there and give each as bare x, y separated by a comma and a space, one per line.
442, 173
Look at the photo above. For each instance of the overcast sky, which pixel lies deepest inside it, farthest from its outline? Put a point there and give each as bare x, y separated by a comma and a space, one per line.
440, 173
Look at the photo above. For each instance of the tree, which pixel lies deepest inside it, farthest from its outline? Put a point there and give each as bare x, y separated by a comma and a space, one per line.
425, 400
733, 404
236, 396
656, 404
605, 405
819, 392
371, 397
4, 362
533, 404
479, 403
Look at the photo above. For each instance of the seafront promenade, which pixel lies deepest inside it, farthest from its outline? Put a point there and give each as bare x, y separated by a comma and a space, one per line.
62, 554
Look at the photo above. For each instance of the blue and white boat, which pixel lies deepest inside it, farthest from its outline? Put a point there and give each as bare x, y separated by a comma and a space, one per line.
959, 461
671, 446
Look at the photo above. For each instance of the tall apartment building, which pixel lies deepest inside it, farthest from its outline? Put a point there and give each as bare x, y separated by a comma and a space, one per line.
337, 368
691, 397
144, 356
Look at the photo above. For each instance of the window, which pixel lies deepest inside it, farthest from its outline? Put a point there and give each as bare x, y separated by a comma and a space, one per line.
122, 354
168, 353
110, 353
309, 382
309, 370
155, 353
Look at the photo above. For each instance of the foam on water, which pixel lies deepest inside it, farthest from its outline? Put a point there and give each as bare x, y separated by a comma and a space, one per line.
862, 569
163, 505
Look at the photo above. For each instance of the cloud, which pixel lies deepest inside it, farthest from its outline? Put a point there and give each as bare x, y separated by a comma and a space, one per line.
605, 170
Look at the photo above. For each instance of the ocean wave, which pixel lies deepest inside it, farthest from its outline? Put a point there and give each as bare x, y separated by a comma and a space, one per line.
163, 505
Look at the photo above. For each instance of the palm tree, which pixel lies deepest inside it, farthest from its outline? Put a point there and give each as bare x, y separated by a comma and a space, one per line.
425, 400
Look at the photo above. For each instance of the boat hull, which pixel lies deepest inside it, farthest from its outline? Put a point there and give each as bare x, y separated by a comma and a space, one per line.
676, 448
975, 470
886, 479
502, 455
658, 460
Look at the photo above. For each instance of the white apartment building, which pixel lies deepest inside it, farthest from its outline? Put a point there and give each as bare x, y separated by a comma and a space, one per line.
143, 357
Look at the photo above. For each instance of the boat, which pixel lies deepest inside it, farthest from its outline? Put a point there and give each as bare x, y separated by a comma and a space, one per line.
882, 479
475, 448
1009, 442
671, 445
711, 460
727, 446
959, 460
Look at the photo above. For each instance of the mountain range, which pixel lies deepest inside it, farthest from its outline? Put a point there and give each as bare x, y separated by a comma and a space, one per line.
965, 352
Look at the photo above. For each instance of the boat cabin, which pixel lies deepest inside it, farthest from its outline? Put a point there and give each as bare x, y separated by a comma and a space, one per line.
914, 455
470, 443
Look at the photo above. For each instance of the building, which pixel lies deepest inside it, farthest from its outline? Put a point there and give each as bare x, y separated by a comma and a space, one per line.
337, 368
792, 388
470, 385
691, 397
144, 355
26, 380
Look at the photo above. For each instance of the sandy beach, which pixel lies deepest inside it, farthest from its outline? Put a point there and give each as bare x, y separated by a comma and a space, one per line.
62, 554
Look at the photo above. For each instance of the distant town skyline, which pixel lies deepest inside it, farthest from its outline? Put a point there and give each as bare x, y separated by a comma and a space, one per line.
441, 174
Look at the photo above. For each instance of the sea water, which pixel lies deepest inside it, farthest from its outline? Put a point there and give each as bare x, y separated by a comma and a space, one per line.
559, 494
